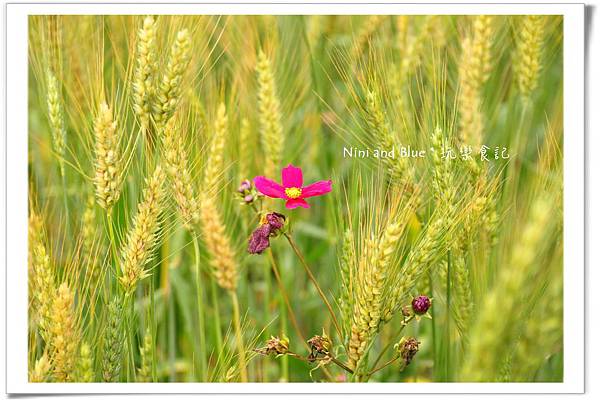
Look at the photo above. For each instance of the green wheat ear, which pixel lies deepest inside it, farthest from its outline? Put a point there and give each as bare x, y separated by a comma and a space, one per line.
113, 341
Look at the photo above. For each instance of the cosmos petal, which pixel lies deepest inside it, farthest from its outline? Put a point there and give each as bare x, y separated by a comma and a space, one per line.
316, 189
291, 177
294, 203
269, 188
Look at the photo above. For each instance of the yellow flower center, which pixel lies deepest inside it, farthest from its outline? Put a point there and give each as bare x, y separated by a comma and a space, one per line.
293, 192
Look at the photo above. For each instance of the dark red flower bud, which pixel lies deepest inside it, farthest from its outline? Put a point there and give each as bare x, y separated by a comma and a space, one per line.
421, 304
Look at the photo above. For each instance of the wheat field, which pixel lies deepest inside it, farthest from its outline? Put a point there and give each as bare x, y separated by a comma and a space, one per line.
295, 198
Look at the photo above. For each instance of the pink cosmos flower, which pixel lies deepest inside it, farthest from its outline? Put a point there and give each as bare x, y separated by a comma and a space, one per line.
291, 190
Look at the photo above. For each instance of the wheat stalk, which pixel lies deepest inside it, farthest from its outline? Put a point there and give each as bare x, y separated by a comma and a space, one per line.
43, 284
496, 317
41, 370
168, 93
64, 338
422, 256
145, 369
369, 27
346, 275
85, 364
217, 241
142, 237
107, 178
542, 333
145, 72
56, 119
245, 144
370, 303
176, 165
474, 70
114, 338
528, 54
271, 130
378, 127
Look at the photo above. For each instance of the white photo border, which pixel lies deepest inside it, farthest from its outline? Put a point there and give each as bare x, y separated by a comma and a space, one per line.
17, 194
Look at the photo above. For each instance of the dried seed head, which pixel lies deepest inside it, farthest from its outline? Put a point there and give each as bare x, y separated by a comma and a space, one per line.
275, 346
319, 345
407, 348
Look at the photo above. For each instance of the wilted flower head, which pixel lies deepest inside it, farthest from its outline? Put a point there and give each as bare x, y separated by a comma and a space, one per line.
421, 304
407, 348
275, 346
319, 345
271, 224
275, 221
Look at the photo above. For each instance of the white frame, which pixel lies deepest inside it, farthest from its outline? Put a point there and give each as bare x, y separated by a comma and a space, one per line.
17, 193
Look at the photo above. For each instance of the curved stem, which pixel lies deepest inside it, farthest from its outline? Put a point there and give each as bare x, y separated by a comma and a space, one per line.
377, 369
238, 337
291, 313
387, 346
312, 278
327, 358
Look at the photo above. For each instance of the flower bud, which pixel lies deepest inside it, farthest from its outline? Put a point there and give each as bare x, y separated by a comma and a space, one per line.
245, 186
421, 304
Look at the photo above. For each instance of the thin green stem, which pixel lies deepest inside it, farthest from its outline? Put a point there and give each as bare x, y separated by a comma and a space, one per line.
217, 320
329, 357
238, 337
433, 334
448, 300
312, 278
388, 345
377, 369
171, 324
153, 328
65, 200
200, 307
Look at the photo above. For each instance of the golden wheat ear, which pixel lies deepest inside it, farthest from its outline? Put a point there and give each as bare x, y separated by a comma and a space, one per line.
143, 86
269, 114
177, 167
108, 174
143, 235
